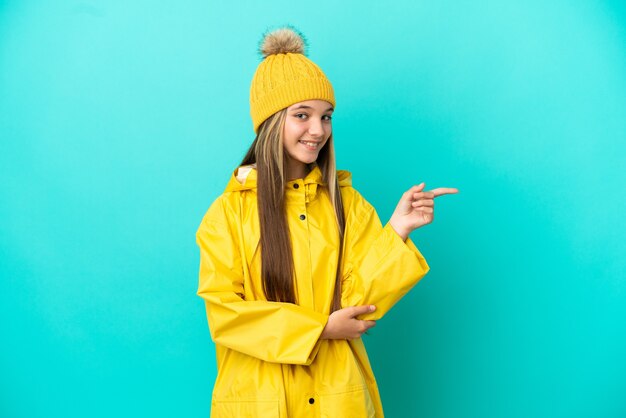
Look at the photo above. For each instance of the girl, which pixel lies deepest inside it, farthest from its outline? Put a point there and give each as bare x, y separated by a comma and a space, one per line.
295, 263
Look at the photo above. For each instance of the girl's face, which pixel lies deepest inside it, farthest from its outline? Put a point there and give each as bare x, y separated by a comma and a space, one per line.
307, 128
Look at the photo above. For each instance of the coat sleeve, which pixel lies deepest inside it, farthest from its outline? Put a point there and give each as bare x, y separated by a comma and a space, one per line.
271, 331
379, 267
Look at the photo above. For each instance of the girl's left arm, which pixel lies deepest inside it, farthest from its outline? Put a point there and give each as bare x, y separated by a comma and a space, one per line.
379, 266
416, 208
382, 263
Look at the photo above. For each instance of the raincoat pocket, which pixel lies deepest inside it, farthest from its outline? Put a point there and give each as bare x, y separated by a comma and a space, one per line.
245, 409
355, 402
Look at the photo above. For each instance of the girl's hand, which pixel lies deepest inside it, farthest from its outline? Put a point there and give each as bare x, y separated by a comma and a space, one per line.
416, 208
342, 324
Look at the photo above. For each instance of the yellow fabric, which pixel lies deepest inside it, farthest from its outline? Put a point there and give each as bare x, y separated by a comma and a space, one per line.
270, 359
281, 80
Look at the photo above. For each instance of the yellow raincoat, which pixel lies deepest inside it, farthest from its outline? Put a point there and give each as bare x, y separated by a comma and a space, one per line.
271, 362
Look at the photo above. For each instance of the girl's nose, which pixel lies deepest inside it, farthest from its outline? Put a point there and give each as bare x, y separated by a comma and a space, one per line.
316, 129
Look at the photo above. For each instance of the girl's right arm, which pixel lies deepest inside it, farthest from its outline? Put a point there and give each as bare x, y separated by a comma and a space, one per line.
343, 324
271, 331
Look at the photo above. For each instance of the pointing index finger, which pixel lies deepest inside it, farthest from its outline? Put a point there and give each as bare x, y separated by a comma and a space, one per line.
440, 191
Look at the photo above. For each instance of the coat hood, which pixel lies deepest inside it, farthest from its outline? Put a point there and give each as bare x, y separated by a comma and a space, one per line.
245, 178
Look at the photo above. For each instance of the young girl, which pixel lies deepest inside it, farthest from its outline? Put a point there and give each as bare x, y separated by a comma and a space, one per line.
295, 263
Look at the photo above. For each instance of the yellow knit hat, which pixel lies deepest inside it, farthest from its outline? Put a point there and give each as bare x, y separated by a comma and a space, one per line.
285, 76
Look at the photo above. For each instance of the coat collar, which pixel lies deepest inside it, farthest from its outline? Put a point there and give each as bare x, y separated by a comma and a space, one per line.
245, 178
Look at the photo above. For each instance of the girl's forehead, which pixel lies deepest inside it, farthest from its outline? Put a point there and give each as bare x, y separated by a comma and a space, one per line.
317, 104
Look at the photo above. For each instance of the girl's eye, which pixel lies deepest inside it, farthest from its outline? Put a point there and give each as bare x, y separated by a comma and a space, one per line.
304, 116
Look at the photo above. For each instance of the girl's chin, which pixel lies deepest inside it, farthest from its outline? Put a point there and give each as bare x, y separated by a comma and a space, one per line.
305, 159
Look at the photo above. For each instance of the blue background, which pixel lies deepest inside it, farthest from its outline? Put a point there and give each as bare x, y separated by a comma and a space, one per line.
120, 122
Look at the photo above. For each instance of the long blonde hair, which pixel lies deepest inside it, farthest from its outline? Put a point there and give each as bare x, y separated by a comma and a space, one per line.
267, 151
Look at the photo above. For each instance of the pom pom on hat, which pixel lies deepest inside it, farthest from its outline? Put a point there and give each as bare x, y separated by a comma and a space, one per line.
285, 75
281, 41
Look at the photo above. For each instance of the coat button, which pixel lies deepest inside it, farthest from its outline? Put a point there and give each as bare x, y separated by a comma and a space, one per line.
296, 185
302, 217
311, 401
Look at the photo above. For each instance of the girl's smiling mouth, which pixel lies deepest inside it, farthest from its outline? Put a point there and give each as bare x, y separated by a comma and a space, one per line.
310, 145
